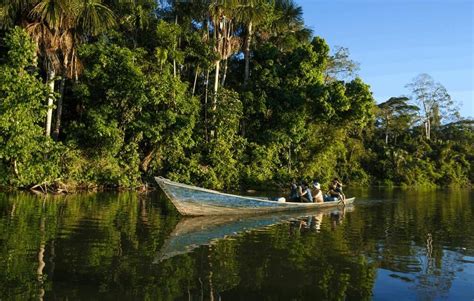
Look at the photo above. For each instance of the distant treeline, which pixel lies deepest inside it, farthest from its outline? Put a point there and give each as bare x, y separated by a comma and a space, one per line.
223, 94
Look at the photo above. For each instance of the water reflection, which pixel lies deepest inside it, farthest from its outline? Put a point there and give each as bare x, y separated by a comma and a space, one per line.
193, 232
395, 245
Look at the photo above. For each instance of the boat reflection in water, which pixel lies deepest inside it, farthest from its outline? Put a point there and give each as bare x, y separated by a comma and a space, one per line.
192, 232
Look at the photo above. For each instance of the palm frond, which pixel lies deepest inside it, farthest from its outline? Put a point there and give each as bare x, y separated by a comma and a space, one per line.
94, 18
47, 43
50, 12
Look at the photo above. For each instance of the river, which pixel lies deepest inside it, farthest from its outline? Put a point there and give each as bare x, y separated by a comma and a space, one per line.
391, 245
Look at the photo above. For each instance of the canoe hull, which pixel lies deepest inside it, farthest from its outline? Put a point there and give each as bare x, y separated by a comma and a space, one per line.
196, 201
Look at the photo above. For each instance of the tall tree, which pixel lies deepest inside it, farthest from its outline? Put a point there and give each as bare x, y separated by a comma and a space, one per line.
433, 99
222, 14
287, 28
251, 13
340, 66
77, 21
396, 115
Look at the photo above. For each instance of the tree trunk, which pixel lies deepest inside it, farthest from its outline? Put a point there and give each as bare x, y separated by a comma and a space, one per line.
427, 118
174, 49
174, 68
49, 116
224, 73
428, 129
15, 168
59, 109
214, 101
146, 161
216, 86
205, 106
247, 53
195, 80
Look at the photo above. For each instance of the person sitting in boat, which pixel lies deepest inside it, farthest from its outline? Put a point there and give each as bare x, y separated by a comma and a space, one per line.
293, 193
305, 196
338, 189
318, 193
332, 195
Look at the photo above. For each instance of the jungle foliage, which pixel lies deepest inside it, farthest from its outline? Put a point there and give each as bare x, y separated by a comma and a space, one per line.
223, 94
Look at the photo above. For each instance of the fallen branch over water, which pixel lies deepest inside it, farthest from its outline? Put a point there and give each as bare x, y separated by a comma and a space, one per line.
56, 187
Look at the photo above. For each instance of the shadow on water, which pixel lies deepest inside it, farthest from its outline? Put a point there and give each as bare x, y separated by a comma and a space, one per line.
394, 245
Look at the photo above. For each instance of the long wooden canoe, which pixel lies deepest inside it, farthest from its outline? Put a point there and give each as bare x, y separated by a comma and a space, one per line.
192, 232
196, 201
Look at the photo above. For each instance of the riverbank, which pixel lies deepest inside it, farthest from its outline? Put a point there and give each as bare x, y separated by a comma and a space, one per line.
73, 187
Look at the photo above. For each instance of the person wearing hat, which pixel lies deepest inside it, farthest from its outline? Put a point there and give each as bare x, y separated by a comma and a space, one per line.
318, 193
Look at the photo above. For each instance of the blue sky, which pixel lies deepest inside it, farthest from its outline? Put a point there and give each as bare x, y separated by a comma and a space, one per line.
395, 40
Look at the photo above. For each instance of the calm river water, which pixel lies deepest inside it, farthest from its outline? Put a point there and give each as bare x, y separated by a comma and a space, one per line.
391, 245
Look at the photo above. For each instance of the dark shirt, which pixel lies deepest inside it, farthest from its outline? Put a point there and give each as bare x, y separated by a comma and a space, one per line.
333, 191
293, 192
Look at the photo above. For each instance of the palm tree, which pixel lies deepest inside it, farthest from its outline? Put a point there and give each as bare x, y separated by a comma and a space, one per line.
58, 27
47, 44
289, 22
87, 19
251, 13
222, 19
14, 12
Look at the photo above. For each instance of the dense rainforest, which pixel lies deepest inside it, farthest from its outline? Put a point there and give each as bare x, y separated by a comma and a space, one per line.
223, 94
